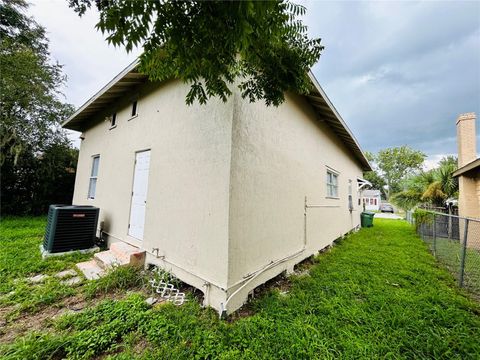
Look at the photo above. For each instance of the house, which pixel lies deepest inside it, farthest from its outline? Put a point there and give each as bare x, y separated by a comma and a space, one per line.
371, 199
225, 195
468, 172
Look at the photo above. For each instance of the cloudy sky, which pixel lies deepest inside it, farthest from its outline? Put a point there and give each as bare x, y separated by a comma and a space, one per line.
398, 72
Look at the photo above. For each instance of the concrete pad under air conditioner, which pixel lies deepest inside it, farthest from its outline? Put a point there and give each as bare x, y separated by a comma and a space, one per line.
47, 254
90, 269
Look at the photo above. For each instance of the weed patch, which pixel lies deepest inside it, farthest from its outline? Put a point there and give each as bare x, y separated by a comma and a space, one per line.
118, 278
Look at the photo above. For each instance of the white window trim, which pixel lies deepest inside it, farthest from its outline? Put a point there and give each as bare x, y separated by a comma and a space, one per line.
133, 117
92, 177
335, 186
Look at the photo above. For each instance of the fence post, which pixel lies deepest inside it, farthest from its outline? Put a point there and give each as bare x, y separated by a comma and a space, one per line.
434, 236
449, 220
464, 253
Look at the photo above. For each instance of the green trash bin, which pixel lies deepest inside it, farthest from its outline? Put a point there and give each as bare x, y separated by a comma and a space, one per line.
366, 219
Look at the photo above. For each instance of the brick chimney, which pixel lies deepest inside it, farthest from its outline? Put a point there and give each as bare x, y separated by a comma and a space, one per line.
466, 139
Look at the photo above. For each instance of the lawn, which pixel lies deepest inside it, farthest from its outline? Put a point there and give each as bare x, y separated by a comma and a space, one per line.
449, 253
20, 258
376, 294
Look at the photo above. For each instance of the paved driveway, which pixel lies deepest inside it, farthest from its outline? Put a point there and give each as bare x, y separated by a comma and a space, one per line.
387, 216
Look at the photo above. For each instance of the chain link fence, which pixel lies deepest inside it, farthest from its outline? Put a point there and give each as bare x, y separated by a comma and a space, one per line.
455, 242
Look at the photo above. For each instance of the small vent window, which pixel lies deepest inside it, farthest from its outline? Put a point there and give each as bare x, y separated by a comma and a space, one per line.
134, 108
332, 184
350, 197
114, 120
93, 177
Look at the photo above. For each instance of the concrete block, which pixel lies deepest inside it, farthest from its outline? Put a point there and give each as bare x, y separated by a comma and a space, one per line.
128, 253
90, 269
72, 281
66, 273
151, 300
107, 260
37, 278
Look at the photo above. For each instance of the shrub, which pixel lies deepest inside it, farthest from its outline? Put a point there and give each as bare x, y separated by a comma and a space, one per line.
422, 217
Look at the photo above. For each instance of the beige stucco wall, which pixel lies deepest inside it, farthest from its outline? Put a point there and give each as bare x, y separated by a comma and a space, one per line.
187, 201
469, 196
279, 156
227, 185
469, 206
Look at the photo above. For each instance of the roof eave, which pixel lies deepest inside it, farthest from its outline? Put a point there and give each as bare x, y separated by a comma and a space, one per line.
128, 78
467, 168
71, 124
355, 146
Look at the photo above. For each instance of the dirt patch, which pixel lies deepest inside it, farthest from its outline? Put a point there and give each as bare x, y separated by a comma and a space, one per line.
42, 320
4, 312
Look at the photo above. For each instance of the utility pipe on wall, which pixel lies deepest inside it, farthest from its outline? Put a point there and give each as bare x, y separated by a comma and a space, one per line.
255, 274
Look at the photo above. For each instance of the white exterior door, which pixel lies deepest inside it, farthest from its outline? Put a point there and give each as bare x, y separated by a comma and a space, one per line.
139, 194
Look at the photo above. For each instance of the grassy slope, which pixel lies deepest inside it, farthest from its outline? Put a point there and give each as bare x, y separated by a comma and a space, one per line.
378, 294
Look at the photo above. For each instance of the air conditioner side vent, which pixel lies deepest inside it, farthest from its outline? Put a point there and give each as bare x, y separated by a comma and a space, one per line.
70, 227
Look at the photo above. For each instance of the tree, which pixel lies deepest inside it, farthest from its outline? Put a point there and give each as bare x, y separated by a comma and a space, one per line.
259, 45
37, 180
35, 152
396, 164
30, 108
376, 180
431, 187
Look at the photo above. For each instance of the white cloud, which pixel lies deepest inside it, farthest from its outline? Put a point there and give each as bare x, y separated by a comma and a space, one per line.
87, 59
89, 62
432, 160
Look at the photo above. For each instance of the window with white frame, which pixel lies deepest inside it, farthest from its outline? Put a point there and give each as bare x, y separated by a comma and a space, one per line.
332, 184
93, 177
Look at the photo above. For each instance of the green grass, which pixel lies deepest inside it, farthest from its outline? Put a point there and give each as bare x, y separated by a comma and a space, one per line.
118, 278
20, 258
378, 294
448, 252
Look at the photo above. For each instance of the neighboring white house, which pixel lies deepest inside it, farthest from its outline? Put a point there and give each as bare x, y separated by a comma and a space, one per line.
223, 195
371, 199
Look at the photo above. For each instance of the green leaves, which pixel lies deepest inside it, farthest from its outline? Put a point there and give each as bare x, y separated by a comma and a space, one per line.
259, 46
432, 187
30, 105
396, 164
31, 109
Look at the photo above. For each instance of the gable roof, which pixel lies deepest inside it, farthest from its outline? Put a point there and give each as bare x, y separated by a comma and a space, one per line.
131, 77
371, 193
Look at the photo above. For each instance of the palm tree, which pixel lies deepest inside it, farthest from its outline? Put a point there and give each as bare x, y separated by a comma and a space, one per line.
429, 187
